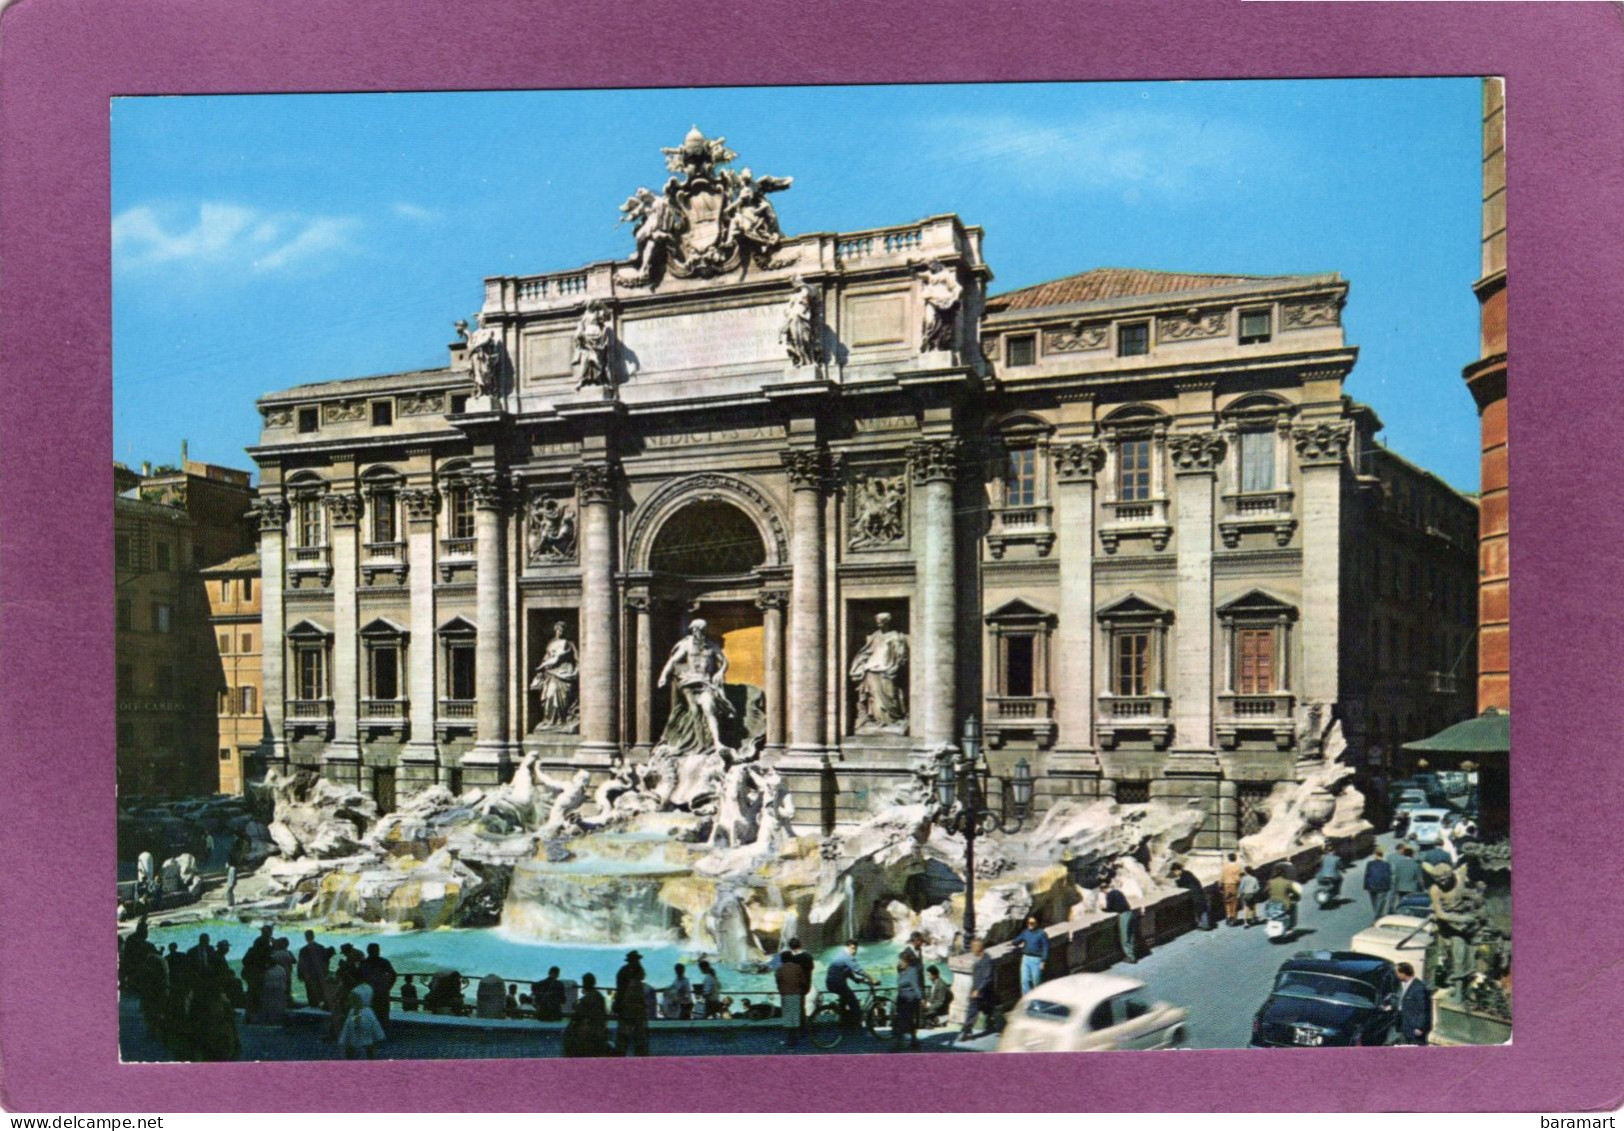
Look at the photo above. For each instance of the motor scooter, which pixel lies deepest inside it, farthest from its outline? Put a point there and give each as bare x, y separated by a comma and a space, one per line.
1327, 888
1279, 919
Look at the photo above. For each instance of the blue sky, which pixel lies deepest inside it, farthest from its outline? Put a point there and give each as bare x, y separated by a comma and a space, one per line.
263, 241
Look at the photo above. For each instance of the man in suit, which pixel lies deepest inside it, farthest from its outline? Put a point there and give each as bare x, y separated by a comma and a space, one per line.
983, 995
1414, 1007
1407, 879
1378, 882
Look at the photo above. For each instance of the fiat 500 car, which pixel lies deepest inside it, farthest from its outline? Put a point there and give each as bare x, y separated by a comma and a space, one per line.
1091, 1012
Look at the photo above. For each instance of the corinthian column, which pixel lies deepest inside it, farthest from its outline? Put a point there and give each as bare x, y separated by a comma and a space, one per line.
344, 516
1196, 456
934, 464
421, 754
806, 468
272, 511
771, 602
1077, 467
490, 654
600, 683
1322, 451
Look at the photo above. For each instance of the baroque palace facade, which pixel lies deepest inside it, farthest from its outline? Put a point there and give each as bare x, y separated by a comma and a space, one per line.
1122, 519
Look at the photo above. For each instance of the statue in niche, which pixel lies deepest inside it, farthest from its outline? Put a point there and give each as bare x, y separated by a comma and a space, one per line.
484, 357
882, 700
698, 665
555, 682
941, 291
592, 340
550, 533
799, 333
877, 511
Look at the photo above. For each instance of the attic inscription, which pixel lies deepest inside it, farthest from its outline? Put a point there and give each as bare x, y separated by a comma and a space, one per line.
733, 336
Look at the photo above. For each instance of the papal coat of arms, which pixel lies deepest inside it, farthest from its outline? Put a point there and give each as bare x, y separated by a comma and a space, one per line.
708, 220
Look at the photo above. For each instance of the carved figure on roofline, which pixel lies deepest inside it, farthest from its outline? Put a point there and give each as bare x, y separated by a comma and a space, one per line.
942, 292
555, 681
882, 698
592, 341
658, 221
484, 357
799, 333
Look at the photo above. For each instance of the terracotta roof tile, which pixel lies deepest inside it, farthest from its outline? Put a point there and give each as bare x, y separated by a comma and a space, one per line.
1117, 282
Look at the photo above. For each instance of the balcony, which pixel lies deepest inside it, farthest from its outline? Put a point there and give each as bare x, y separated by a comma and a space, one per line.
456, 715
1135, 518
309, 562
1149, 715
307, 715
379, 558
1029, 523
1268, 511
384, 715
1267, 714
1020, 714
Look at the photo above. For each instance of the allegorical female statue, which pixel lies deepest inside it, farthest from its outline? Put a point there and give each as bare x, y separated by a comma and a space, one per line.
799, 333
700, 706
941, 291
555, 680
591, 341
882, 698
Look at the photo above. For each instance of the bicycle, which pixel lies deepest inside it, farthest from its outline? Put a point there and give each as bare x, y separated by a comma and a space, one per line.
876, 1009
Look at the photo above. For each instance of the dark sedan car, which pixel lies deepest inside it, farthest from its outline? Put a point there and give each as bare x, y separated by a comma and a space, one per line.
1324, 997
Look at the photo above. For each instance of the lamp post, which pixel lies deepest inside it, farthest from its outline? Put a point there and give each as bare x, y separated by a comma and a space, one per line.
962, 810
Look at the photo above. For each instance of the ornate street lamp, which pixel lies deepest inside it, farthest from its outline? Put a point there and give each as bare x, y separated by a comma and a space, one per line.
961, 806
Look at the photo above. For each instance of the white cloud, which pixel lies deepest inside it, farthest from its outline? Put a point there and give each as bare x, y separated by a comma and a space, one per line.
225, 236
1132, 152
408, 211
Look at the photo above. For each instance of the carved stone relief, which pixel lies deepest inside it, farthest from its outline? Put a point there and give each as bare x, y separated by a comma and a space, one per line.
277, 416
344, 412
1306, 315
878, 511
420, 404
549, 535
1192, 324
1077, 338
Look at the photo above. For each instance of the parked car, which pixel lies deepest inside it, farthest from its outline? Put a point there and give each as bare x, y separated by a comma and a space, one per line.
1397, 938
1407, 802
1324, 997
1427, 826
1416, 905
1092, 1012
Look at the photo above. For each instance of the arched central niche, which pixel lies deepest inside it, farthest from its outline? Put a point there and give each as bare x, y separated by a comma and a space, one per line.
707, 538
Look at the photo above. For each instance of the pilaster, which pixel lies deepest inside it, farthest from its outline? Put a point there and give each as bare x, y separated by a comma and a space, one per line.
1077, 467
1322, 451
344, 517
418, 506
1195, 458
492, 746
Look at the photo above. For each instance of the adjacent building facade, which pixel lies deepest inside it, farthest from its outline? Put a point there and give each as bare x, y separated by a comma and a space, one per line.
1125, 519
233, 594
167, 525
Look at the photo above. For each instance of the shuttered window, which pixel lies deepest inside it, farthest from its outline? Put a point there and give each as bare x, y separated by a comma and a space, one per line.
1255, 663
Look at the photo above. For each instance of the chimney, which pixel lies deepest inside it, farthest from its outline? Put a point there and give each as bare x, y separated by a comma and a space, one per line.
183, 453
146, 467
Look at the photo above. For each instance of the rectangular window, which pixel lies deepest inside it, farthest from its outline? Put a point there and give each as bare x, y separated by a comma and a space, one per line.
460, 672
1133, 470
126, 679
160, 617
460, 515
126, 614
312, 673
1254, 665
1257, 461
247, 589
225, 643
459, 403
1021, 349
124, 551
223, 701
162, 550
1254, 326
1133, 339
309, 419
1021, 478
248, 642
250, 700
1019, 665
225, 754
385, 672
225, 590
311, 529
383, 413
383, 517
1131, 671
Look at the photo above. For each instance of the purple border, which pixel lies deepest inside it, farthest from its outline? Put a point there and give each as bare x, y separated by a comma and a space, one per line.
59, 63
